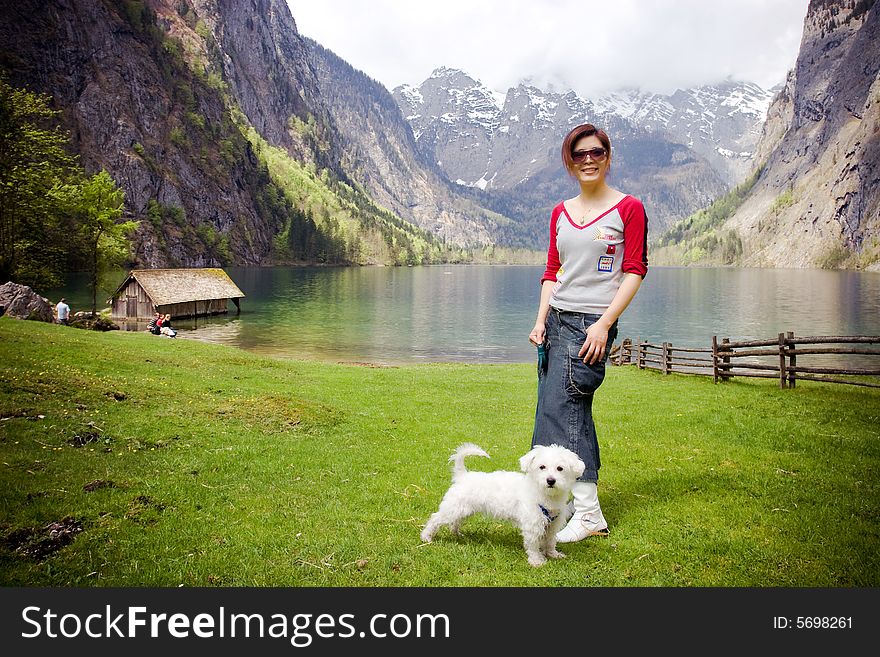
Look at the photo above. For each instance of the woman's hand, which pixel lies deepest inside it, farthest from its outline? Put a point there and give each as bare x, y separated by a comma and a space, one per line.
594, 346
536, 337
597, 335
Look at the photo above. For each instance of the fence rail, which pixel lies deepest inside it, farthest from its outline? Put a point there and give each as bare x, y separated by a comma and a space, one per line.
772, 358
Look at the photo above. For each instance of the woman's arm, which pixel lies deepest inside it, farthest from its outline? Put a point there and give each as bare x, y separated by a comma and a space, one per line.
536, 337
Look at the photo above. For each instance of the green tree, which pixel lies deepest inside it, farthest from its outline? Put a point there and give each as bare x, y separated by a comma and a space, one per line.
97, 204
32, 161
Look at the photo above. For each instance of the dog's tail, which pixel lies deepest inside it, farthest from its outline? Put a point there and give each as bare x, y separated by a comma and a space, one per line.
457, 458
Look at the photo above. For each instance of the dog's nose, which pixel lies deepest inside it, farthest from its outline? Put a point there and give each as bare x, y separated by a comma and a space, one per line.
551, 482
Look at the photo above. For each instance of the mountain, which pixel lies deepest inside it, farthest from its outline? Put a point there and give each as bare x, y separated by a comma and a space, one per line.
721, 122
677, 153
816, 201
238, 141
235, 140
454, 119
380, 152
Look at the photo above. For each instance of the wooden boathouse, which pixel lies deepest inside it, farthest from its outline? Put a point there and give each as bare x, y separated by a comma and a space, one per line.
180, 292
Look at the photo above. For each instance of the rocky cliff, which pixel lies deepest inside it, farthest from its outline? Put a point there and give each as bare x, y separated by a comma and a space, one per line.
135, 108
817, 201
235, 141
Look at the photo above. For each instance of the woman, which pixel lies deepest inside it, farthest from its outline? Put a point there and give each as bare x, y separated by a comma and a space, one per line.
596, 260
165, 326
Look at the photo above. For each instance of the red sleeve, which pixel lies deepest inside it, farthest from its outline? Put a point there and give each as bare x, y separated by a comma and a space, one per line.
553, 263
635, 237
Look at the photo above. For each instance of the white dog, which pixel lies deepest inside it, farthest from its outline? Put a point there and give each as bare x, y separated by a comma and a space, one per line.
535, 501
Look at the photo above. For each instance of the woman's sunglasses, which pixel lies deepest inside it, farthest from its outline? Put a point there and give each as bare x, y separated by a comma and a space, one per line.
595, 154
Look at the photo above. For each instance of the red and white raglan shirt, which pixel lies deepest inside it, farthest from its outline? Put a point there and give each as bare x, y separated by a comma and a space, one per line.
588, 262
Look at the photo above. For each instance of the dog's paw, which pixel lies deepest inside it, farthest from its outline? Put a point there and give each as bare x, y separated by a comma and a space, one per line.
556, 554
537, 560
426, 537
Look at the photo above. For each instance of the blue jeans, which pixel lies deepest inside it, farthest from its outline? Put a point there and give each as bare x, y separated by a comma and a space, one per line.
564, 413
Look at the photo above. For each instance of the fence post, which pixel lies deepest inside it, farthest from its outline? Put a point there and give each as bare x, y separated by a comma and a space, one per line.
626, 351
782, 374
639, 363
725, 359
714, 359
792, 360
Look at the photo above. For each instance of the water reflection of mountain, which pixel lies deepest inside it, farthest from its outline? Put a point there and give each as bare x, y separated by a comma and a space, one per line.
218, 331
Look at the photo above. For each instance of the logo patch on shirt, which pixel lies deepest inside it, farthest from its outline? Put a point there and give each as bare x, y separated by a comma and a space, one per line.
606, 263
611, 249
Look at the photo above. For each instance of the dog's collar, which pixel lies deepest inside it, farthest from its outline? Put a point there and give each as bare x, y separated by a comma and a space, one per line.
547, 513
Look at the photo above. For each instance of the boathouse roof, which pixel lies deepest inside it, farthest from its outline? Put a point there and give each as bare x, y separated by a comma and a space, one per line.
168, 286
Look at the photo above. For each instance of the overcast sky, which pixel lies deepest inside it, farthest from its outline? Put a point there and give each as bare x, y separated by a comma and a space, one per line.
591, 46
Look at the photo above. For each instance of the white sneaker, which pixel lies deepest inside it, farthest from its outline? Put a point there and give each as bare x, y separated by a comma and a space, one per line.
582, 526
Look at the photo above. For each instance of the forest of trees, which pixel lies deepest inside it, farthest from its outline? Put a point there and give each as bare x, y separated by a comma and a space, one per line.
54, 217
701, 237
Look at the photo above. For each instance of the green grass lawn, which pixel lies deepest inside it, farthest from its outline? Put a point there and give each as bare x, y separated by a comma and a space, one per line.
172, 462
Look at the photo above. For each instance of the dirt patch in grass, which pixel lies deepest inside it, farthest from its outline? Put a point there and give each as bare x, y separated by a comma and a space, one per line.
144, 510
8, 414
98, 484
90, 434
38, 543
83, 438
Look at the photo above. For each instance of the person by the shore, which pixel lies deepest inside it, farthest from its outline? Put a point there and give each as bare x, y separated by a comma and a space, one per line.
62, 312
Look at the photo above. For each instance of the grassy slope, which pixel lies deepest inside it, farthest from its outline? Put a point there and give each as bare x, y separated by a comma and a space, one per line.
233, 470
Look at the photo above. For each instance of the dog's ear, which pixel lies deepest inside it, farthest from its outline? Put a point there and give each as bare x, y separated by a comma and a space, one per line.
577, 466
525, 461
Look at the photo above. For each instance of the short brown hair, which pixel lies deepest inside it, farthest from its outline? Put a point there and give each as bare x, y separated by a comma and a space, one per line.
585, 130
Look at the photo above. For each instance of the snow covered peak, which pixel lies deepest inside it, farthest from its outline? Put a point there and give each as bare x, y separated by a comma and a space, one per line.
452, 97
721, 122
445, 72
411, 94
657, 110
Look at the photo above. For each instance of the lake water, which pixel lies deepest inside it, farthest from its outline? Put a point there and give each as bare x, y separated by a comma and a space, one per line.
483, 313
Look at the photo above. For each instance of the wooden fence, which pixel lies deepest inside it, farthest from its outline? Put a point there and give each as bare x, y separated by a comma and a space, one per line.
773, 359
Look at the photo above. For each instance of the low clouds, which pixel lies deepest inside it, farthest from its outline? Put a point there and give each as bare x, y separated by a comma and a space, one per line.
587, 45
